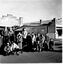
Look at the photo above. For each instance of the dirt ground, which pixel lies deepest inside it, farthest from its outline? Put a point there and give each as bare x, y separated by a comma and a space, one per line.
33, 57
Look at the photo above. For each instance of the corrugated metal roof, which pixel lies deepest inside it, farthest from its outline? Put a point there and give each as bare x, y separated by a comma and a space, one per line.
46, 21
37, 23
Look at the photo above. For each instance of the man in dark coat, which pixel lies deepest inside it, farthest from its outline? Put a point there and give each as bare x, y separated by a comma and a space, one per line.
29, 42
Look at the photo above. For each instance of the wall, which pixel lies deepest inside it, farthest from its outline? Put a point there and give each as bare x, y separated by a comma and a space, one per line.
51, 27
37, 29
42, 28
51, 30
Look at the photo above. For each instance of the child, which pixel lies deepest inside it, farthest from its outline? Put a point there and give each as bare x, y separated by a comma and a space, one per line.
51, 43
7, 49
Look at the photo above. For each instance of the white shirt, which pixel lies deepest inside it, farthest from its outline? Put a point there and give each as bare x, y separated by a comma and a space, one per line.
25, 34
43, 39
13, 46
33, 39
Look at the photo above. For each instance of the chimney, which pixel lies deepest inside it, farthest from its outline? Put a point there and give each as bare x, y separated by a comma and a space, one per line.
40, 21
20, 20
54, 19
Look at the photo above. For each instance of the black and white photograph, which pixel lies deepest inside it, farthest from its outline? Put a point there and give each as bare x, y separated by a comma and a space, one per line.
31, 31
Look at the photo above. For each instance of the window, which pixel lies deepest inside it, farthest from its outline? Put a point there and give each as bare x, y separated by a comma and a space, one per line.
59, 32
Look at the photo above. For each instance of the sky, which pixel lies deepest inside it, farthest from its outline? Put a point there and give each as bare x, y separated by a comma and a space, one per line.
32, 10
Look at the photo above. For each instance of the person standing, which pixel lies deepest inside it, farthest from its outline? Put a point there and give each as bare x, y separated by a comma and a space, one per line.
33, 40
38, 40
24, 36
43, 38
11, 35
1, 41
29, 42
40, 43
20, 40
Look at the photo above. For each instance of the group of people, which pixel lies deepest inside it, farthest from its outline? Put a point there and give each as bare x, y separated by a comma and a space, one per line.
25, 41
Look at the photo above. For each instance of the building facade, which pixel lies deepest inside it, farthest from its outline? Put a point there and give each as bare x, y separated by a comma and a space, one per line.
9, 20
43, 27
